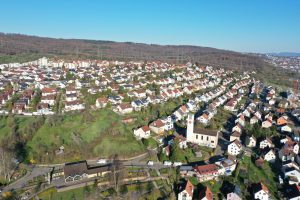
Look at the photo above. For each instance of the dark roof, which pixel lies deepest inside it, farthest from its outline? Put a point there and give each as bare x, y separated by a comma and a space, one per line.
293, 191
75, 168
98, 169
205, 131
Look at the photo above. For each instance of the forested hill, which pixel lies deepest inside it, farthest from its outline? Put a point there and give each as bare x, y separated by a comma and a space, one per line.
15, 44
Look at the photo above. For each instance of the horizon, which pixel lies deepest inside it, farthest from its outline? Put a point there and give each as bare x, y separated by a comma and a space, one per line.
281, 52
256, 26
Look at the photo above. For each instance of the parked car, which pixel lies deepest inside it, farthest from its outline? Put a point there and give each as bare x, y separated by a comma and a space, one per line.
150, 163
176, 164
167, 163
102, 161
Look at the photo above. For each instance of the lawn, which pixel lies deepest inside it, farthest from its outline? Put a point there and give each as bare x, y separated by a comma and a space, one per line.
79, 193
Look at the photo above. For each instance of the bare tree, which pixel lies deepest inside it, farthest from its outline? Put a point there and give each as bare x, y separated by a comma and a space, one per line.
117, 172
6, 164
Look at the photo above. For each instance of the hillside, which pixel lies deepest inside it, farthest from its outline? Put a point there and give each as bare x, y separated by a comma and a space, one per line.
21, 48
12, 44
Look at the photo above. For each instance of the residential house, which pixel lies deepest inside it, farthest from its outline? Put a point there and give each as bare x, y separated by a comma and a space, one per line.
49, 91
206, 194
283, 120
125, 108
292, 175
269, 155
142, 132
267, 142
157, 127
101, 102
260, 191
233, 196
234, 148
235, 136
286, 128
207, 172
267, 123
49, 99
250, 141
289, 150
186, 191
74, 105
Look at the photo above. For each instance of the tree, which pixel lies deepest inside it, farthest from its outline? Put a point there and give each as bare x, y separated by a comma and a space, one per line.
175, 152
121, 90
149, 186
124, 189
6, 164
135, 78
116, 169
139, 187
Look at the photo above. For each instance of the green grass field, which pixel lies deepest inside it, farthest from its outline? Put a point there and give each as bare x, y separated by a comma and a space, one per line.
79, 193
103, 136
255, 175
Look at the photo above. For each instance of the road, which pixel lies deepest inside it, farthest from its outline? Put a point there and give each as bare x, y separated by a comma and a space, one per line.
30, 175
43, 169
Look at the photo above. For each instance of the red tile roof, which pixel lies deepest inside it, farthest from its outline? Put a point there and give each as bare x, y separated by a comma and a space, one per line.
207, 169
206, 194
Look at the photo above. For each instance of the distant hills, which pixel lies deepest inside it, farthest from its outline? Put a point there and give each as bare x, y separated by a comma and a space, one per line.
286, 54
15, 44
22, 48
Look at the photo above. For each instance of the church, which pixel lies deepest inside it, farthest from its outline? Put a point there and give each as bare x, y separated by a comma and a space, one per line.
202, 137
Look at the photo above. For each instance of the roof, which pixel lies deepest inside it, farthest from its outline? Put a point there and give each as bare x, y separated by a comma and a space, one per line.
124, 106
158, 123
205, 132
207, 169
48, 90
206, 193
237, 143
75, 168
236, 134
145, 128
260, 186
98, 169
189, 188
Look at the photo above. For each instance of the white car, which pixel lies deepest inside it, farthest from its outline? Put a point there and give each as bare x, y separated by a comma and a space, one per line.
150, 163
167, 163
176, 164
102, 161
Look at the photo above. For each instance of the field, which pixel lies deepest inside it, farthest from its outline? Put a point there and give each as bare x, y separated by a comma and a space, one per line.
248, 171
84, 135
79, 193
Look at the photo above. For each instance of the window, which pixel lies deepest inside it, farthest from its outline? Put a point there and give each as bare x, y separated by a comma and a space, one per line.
212, 141
202, 137
196, 137
207, 138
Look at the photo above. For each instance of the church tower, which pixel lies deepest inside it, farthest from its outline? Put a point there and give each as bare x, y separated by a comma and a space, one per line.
190, 127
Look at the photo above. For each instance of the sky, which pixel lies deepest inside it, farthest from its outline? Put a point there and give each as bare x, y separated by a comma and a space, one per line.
262, 26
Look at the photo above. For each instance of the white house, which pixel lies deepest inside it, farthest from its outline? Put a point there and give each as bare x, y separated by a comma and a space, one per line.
74, 105
269, 155
250, 141
142, 132
286, 128
233, 196
234, 148
186, 191
266, 124
260, 191
266, 143
125, 108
